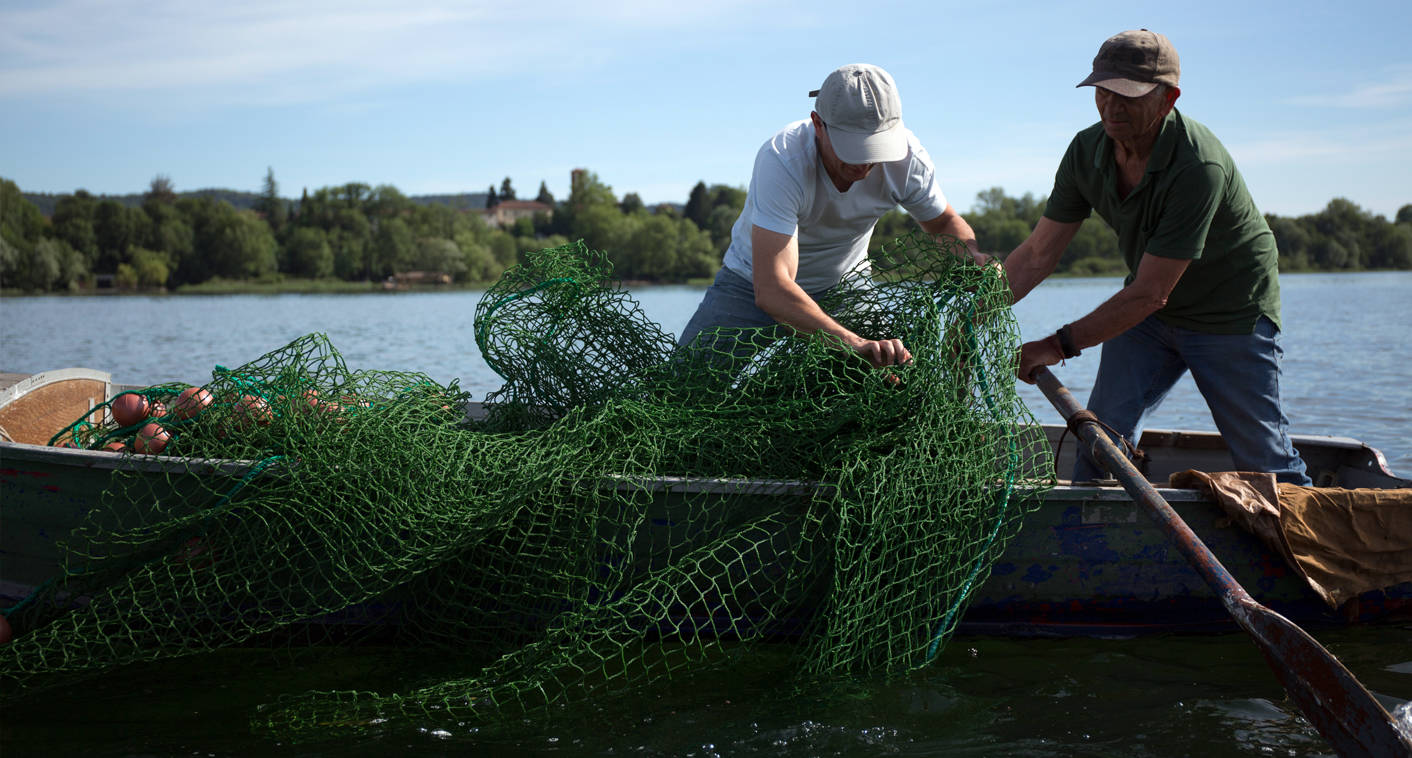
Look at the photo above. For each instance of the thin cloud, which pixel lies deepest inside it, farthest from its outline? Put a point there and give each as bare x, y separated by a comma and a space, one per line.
1389, 142
1395, 93
275, 51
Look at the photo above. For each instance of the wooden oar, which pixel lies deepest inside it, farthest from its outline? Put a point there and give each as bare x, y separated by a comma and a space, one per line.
1338, 705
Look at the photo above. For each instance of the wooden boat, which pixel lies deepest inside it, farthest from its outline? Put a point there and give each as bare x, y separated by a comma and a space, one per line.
1087, 562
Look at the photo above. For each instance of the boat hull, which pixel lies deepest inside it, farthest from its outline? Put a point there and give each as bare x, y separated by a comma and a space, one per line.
1086, 562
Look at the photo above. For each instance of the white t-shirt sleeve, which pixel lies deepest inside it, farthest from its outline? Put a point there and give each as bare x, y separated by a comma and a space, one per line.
922, 195
775, 195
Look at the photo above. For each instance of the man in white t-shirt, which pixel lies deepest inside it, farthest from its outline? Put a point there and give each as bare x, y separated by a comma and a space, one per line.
818, 188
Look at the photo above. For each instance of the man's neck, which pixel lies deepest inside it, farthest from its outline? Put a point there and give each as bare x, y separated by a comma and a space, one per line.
1137, 150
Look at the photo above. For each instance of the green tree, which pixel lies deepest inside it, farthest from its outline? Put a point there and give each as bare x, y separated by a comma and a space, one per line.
726, 203
73, 223
34, 268
73, 268
350, 238
352, 194
441, 256
491, 199
631, 203
1096, 244
998, 234
1348, 228
386, 201
507, 192
1292, 241
307, 254
114, 230
9, 263
589, 213
1404, 214
228, 243
149, 268
478, 262
719, 226
503, 248
544, 196
394, 248
698, 205
167, 232
585, 191
160, 190
275, 210
522, 227
1329, 253
1391, 246
20, 220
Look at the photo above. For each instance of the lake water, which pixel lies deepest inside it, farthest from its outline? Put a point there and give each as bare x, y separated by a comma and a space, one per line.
1346, 340
1346, 344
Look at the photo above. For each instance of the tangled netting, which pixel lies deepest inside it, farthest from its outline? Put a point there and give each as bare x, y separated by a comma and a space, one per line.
620, 511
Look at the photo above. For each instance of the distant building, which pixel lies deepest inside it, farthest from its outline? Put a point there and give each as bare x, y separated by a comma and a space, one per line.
507, 212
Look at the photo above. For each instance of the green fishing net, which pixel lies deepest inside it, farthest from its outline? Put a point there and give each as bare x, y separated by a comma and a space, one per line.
619, 512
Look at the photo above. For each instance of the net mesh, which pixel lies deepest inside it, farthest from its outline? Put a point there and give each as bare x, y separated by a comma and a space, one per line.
621, 512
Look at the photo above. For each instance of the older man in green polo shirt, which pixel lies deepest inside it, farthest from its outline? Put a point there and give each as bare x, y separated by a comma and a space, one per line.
1203, 292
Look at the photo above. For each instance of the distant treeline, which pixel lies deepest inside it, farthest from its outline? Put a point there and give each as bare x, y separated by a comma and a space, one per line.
356, 232
48, 202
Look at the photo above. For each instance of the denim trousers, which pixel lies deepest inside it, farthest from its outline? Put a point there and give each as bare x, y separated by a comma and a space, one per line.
729, 301
1237, 374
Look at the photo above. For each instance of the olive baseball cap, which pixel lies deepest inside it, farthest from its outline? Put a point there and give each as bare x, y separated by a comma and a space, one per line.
859, 106
1133, 63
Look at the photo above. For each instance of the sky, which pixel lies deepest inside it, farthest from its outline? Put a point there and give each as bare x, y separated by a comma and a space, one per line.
1312, 99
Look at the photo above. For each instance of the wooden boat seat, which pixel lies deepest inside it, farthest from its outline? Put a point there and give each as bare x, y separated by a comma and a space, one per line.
35, 407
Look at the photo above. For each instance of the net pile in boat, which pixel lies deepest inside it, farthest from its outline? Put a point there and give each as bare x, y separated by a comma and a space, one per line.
626, 511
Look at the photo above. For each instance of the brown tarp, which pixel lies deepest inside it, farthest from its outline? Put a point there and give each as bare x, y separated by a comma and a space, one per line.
1344, 542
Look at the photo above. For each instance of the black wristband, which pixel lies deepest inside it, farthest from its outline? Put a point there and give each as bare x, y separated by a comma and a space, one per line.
1066, 342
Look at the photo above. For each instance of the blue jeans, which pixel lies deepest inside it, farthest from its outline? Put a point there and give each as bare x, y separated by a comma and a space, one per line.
729, 301
1237, 374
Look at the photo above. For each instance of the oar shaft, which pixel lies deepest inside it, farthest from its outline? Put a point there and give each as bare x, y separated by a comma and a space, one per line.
1107, 453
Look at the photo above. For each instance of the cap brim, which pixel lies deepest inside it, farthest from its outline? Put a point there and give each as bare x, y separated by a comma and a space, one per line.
1124, 87
877, 147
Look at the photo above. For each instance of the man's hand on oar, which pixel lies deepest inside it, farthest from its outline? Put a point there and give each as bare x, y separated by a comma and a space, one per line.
1037, 354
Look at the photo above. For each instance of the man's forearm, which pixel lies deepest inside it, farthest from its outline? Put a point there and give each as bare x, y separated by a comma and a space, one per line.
1025, 268
952, 224
791, 306
1119, 313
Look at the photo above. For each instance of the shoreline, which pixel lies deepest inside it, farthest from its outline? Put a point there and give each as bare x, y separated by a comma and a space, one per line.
339, 287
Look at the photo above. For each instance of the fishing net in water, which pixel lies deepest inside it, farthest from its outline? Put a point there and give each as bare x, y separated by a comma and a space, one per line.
623, 511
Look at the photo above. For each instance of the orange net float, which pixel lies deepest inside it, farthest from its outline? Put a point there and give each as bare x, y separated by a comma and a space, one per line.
192, 401
129, 408
151, 439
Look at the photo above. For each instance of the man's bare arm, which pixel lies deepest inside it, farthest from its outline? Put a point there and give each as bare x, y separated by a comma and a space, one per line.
1156, 276
952, 224
775, 263
1035, 259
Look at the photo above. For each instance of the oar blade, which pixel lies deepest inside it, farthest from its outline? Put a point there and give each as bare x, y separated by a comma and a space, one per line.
1327, 693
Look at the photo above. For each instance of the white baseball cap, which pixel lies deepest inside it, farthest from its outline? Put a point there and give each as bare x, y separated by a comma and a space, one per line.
860, 107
